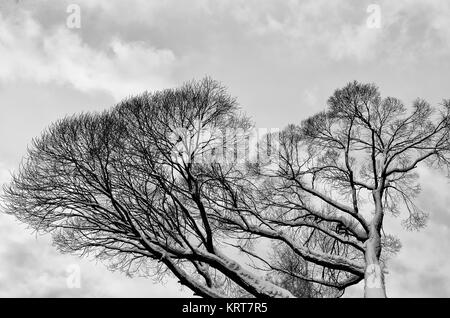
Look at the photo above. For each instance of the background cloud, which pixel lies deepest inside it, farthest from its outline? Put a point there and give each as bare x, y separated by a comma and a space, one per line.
29, 52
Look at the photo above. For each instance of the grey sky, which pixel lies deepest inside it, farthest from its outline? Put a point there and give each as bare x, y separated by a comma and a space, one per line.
281, 59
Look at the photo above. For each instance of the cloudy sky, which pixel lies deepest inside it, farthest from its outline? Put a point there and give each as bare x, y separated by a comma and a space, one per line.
281, 59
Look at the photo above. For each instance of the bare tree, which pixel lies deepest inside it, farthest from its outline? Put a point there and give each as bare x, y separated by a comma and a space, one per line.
341, 172
138, 186
155, 186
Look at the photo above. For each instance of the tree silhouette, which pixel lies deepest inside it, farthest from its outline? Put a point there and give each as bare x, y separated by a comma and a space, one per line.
138, 187
342, 171
155, 186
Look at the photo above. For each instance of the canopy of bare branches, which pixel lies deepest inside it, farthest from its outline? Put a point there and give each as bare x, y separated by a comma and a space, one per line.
140, 187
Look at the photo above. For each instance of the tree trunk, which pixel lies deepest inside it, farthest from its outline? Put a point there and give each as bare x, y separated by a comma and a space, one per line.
373, 276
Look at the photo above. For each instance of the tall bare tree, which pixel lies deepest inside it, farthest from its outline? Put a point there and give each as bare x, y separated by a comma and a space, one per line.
154, 185
342, 171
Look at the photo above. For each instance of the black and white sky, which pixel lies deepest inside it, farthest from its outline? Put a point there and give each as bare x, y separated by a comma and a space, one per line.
281, 59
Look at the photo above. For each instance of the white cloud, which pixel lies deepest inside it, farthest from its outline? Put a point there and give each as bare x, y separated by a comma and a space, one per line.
335, 30
357, 42
310, 97
4, 173
28, 52
408, 28
31, 267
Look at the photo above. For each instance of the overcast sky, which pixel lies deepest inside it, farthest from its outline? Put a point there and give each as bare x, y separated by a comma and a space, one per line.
281, 59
